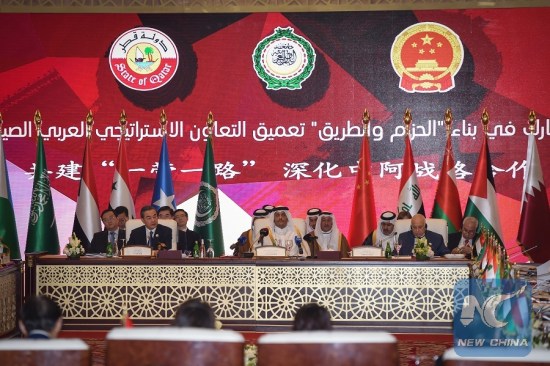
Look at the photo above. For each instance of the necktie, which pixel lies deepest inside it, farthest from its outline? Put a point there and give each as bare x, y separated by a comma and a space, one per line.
112, 236
151, 238
466, 242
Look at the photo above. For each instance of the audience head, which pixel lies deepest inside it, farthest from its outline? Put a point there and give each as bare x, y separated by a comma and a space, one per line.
469, 227
387, 222
122, 216
109, 220
312, 317
166, 213
418, 225
196, 314
404, 215
312, 216
149, 217
40, 314
181, 216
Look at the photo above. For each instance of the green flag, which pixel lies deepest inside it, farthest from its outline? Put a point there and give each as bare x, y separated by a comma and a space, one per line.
42, 232
208, 220
8, 230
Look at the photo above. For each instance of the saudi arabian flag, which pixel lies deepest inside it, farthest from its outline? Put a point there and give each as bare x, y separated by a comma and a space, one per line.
42, 232
208, 220
8, 230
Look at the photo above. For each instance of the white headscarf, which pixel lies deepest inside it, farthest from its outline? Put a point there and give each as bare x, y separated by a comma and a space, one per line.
312, 212
288, 234
328, 240
390, 217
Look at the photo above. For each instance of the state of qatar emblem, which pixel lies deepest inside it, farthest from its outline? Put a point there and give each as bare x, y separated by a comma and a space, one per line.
427, 56
284, 59
143, 59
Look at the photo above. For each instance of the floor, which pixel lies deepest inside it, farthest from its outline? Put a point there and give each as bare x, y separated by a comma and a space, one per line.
414, 349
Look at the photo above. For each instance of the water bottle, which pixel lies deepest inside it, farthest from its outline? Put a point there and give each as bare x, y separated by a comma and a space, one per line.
196, 252
387, 252
109, 250
202, 253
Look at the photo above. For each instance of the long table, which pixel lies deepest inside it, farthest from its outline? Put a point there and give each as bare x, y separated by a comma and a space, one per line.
399, 295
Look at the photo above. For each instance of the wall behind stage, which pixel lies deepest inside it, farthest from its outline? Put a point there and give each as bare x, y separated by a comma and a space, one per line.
293, 147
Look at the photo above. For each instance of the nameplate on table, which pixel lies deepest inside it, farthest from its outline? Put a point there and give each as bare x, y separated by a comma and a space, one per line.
270, 251
137, 251
366, 251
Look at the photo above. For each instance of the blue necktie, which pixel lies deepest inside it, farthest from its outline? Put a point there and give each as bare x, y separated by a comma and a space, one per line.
151, 238
112, 237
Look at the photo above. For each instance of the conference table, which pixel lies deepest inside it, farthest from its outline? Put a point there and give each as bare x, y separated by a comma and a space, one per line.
249, 294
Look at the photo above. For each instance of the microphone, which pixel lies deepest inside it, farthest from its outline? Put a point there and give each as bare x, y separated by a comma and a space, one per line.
240, 242
298, 242
263, 233
310, 238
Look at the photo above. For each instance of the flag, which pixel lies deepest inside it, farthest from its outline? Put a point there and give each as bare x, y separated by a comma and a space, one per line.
42, 231
447, 201
120, 190
410, 198
363, 212
86, 218
482, 201
534, 229
208, 220
8, 229
163, 194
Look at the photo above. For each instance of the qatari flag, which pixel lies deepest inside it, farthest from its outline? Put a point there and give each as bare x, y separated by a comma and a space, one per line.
534, 230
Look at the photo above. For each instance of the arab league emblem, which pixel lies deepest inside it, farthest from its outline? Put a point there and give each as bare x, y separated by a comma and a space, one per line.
143, 59
283, 60
426, 57
208, 205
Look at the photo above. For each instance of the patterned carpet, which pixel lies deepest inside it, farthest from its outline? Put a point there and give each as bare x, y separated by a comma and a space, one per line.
414, 349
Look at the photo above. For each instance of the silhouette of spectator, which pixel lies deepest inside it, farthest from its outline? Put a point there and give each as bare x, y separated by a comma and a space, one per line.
40, 318
196, 314
312, 317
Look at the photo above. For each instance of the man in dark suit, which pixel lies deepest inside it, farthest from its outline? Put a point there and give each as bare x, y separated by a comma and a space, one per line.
419, 230
152, 233
111, 234
40, 318
186, 236
464, 241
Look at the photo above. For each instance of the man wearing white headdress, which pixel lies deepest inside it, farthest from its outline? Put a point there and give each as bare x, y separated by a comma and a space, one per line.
312, 216
384, 233
328, 236
283, 232
250, 236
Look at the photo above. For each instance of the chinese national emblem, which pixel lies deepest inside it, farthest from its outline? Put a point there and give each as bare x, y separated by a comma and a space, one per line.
427, 56
143, 59
284, 60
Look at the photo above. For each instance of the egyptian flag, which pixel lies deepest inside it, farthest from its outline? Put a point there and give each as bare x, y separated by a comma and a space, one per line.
482, 201
120, 190
410, 198
534, 228
447, 201
363, 212
86, 218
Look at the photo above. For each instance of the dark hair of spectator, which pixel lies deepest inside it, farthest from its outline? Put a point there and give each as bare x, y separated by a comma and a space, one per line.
121, 209
166, 208
181, 210
196, 314
144, 209
40, 313
404, 215
312, 317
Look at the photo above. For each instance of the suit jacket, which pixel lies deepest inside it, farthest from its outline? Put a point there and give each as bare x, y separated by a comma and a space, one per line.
454, 240
187, 239
163, 234
101, 238
434, 239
